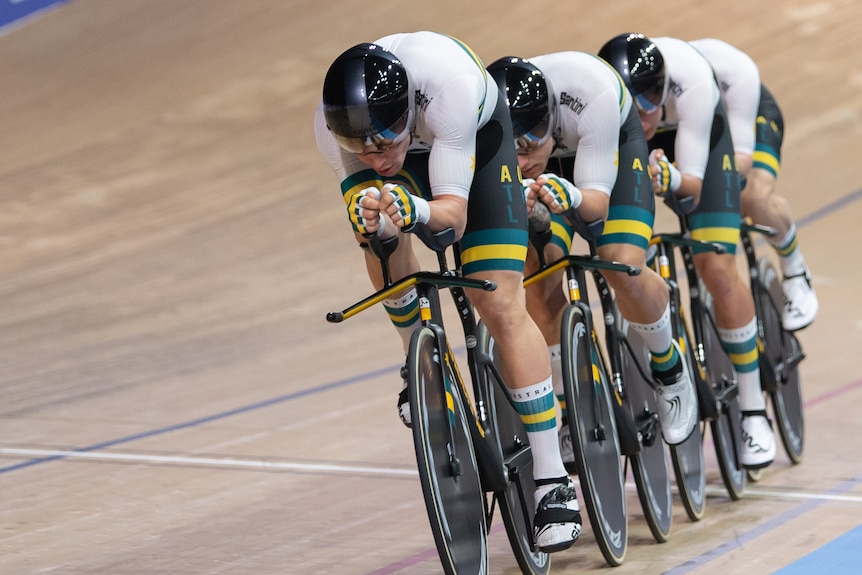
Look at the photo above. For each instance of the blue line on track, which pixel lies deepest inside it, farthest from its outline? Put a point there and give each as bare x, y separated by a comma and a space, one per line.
209, 418
762, 529
801, 222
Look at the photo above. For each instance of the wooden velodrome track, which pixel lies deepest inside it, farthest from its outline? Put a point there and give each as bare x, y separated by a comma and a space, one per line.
172, 399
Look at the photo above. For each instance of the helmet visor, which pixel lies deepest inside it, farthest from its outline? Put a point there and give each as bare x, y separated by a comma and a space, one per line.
381, 141
651, 98
537, 135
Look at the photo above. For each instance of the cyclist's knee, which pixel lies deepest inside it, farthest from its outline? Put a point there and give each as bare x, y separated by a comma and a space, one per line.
628, 254
718, 272
759, 186
505, 304
625, 254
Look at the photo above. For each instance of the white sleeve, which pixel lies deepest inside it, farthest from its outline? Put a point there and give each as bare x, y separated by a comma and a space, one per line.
599, 130
455, 122
696, 110
742, 100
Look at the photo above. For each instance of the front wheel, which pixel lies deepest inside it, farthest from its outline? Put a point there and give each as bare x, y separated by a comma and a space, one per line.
687, 457
650, 464
779, 366
446, 460
727, 427
594, 435
517, 499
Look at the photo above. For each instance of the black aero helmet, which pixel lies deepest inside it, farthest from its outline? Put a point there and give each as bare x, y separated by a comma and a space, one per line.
638, 60
530, 99
366, 98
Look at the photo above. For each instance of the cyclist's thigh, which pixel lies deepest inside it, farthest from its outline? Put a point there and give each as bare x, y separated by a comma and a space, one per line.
496, 234
631, 213
716, 218
769, 134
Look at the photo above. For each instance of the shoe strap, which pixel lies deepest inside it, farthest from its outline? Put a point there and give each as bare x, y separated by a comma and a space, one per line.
552, 481
754, 412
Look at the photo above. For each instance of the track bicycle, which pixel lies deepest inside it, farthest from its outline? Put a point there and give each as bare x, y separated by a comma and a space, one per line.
715, 379
780, 351
610, 416
471, 449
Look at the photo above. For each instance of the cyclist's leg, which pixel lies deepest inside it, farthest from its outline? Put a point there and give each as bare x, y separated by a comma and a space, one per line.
494, 247
764, 206
643, 299
716, 219
545, 303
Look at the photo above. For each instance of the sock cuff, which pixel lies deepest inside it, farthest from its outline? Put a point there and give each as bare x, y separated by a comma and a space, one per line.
403, 301
658, 325
740, 334
532, 392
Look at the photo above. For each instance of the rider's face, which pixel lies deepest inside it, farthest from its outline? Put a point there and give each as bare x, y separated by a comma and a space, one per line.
650, 121
533, 161
385, 160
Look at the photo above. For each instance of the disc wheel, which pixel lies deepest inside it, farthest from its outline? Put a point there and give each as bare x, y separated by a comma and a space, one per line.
594, 436
650, 465
446, 461
687, 457
727, 427
779, 366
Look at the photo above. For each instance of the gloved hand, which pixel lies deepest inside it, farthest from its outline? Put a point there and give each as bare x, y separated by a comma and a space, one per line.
665, 176
410, 209
563, 193
529, 194
363, 209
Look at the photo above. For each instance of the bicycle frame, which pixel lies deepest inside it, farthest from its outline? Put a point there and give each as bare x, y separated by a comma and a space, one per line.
427, 285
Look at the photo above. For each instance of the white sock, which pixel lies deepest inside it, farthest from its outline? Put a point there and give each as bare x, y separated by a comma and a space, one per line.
741, 345
404, 314
536, 406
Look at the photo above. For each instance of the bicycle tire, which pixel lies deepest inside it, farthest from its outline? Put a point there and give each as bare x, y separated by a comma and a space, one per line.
754, 475
511, 436
594, 435
446, 460
687, 457
726, 429
780, 369
650, 465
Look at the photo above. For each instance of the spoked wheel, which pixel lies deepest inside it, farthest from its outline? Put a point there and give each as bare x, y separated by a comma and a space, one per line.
727, 427
594, 436
687, 457
779, 365
650, 464
446, 460
517, 499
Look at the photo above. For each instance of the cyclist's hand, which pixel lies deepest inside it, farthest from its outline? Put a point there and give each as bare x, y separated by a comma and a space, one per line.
529, 194
558, 193
363, 209
665, 177
405, 209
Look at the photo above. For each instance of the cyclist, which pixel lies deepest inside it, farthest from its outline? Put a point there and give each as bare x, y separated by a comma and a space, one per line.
684, 120
581, 146
758, 158
413, 127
